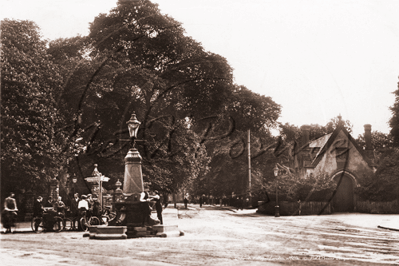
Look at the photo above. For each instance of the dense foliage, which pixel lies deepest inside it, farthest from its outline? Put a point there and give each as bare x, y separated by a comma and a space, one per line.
229, 156
69, 100
293, 133
384, 184
291, 187
137, 60
31, 153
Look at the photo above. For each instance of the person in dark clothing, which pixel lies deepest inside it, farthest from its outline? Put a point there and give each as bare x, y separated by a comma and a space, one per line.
145, 207
201, 200
238, 203
158, 205
38, 211
96, 208
165, 200
185, 202
74, 206
38, 207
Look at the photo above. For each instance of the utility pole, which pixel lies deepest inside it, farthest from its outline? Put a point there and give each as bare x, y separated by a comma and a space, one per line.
249, 167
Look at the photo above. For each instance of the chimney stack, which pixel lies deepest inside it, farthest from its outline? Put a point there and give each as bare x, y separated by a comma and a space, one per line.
367, 138
305, 134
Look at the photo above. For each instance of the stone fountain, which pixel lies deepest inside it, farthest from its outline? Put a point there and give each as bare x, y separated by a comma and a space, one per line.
131, 219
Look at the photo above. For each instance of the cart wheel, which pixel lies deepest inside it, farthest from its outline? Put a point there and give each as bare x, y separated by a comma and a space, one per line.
82, 223
58, 225
37, 221
94, 221
68, 224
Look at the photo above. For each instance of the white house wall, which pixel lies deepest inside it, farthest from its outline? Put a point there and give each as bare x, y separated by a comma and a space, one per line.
328, 164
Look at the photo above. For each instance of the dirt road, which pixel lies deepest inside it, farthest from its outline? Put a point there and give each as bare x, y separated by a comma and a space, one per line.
216, 236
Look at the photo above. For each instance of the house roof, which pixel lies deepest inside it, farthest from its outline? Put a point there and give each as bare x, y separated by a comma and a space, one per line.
317, 143
320, 142
326, 141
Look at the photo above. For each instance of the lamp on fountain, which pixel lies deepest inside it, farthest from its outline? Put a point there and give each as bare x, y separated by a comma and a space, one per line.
133, 125
133, 178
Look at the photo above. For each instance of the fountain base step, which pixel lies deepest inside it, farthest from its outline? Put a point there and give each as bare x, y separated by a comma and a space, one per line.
122, 232
107, 232
167, 230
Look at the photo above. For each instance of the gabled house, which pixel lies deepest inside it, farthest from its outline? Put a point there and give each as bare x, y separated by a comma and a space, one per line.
339, 156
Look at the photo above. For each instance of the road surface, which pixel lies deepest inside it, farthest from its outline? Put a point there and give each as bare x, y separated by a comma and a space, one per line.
221, 236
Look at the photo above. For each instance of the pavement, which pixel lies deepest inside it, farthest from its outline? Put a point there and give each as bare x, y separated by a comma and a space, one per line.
367, 220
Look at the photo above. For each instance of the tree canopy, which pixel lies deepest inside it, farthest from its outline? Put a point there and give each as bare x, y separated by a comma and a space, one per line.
136, 59
293, 133
30, 151
68, 101
384, 184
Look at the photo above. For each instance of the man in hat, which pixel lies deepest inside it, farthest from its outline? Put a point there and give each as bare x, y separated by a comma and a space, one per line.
158, 205
83, 205
145, 207
38, 211
74, 206
38, 207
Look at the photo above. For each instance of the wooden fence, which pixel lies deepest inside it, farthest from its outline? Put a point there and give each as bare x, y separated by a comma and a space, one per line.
295, 208
314, 208
391, 207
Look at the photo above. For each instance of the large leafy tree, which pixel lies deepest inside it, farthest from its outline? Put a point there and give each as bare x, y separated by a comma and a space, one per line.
31, 153
136, 59
380, 142
383, 185
228, 171
251, 110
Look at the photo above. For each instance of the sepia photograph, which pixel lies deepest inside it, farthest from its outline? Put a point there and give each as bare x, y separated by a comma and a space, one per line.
182, 132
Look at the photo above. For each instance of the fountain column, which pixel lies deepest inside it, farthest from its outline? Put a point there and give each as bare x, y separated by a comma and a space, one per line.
133, 178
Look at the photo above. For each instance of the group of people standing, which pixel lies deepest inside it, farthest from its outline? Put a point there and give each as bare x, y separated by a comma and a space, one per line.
77, 207
57, 206
85, 205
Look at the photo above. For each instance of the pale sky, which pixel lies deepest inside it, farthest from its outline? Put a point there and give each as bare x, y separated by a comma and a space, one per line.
318, 59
